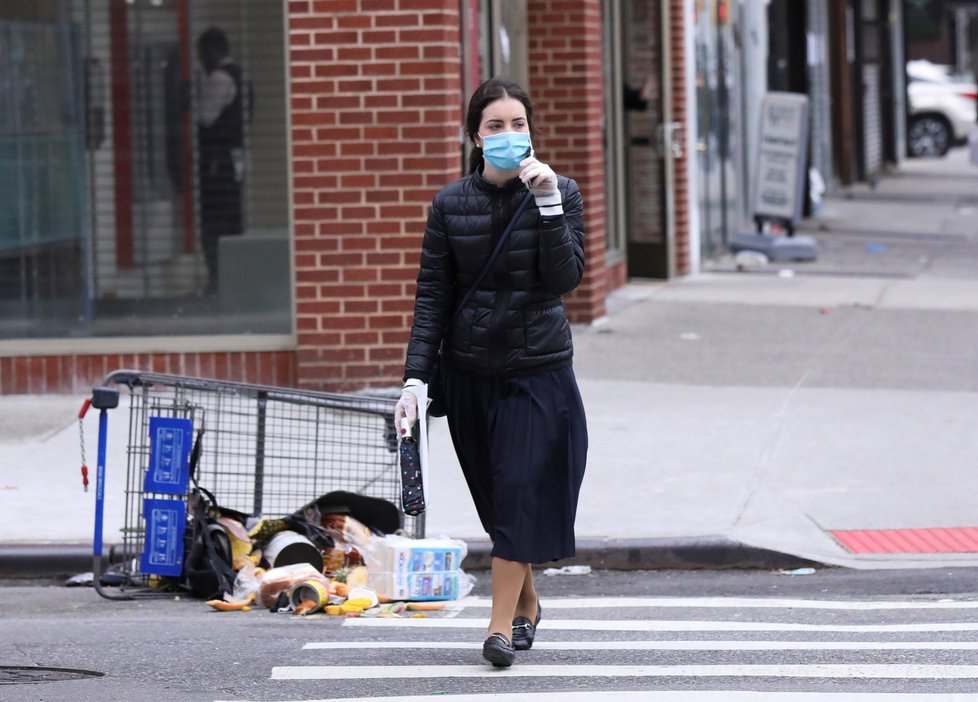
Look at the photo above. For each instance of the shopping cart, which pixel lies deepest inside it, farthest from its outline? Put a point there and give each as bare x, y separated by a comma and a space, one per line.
263, 451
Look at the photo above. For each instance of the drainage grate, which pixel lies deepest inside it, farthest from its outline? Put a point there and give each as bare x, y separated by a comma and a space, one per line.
22, 675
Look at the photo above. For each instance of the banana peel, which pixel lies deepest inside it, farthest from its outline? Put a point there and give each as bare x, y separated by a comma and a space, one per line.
224, 606
361, 602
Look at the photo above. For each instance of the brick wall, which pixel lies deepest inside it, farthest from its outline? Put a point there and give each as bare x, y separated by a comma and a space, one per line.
567, 87
38, 375
375, 120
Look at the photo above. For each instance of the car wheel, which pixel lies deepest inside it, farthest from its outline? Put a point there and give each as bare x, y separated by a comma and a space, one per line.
928, 135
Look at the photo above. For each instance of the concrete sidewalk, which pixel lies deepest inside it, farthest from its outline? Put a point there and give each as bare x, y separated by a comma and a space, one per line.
735, 418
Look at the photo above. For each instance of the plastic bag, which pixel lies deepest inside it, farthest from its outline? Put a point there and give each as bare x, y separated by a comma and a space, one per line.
466, 583
816, 188
278, 580
345, 528
245, 584
342, 555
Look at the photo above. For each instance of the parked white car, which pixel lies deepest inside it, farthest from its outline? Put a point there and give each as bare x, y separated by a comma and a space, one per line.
941, 106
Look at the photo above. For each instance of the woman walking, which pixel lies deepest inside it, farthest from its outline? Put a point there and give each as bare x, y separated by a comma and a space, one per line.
513, 407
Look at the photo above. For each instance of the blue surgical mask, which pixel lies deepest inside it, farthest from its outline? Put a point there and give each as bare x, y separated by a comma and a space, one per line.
505, 151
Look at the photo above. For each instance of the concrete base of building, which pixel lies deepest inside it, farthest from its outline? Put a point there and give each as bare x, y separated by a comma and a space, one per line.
776, 248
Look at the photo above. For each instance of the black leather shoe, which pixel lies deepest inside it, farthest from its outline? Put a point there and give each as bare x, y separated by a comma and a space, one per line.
499, 651
524, 630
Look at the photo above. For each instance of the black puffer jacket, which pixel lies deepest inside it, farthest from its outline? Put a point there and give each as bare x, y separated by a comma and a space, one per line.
515, 322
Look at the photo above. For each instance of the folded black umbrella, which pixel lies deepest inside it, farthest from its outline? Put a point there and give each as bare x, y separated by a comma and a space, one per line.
412, 488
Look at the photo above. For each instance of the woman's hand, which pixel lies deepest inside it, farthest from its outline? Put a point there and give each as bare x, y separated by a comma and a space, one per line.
542, 182
407, 407
538, 177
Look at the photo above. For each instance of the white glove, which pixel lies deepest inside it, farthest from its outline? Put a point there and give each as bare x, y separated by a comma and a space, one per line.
406, 407
538, 177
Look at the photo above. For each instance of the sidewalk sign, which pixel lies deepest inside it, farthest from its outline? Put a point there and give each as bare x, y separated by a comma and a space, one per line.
779, 176
778, 181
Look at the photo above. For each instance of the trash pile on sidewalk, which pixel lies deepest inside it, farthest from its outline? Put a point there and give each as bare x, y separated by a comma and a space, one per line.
321, 558
215, 473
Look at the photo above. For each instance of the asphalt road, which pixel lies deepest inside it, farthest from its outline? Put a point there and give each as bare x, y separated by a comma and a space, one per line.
647, 632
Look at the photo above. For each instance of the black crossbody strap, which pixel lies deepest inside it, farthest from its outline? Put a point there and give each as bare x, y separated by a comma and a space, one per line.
495, 253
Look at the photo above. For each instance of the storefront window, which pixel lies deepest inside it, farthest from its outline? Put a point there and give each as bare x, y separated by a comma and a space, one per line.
143, 169
494, 43
503, 40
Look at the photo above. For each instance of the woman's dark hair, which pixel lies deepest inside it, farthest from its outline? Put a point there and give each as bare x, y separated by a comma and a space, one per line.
490, 91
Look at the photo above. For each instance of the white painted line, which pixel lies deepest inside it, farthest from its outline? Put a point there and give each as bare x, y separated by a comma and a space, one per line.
637, 625
557, 603
665, 645
670, 696
428, 672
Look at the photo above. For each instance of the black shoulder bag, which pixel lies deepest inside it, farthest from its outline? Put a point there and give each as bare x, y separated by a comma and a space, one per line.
207, 571
436, 393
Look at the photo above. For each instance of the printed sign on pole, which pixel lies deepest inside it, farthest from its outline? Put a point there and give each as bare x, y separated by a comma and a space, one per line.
166, 521
170, 441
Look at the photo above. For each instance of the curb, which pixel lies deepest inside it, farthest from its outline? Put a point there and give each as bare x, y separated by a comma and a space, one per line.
689, 553
53, 561
47, 561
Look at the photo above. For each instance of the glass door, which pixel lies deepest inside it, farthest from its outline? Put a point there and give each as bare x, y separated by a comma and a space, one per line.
717, 126
645, 137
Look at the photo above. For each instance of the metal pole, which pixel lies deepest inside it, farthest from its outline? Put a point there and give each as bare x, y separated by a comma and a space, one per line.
103, 430
103, 399
260, 452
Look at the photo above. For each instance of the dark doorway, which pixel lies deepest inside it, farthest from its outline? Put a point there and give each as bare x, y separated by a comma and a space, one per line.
646, 243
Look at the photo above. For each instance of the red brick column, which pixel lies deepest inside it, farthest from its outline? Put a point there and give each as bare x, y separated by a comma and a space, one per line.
375, 120
567, 87
679, 24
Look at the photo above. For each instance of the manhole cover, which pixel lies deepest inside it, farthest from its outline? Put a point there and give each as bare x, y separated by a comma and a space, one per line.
13, 675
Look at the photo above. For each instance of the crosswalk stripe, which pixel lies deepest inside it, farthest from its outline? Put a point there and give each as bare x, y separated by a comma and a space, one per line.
664, 645
669, 696
860, 671
465, 614
655, 625
558, 603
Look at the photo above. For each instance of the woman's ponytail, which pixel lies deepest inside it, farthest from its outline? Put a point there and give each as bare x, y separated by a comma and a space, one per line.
475, 159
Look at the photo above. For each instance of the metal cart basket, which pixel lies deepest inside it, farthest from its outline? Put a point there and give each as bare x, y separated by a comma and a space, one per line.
264, 451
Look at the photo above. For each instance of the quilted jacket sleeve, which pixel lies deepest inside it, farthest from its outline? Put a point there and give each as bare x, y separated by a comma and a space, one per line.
561, 243
434, 299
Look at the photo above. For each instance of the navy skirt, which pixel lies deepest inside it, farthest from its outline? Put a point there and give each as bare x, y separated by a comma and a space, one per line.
522, 445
